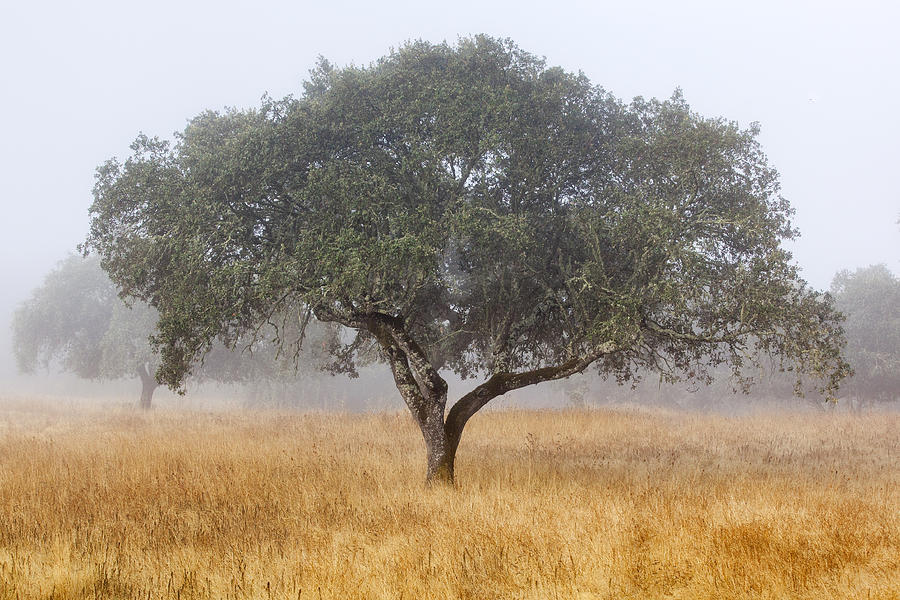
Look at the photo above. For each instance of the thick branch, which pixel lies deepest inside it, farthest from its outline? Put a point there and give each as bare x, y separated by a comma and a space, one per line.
422, 368
466, 174
501, 383
390, 331
406, 383
500, 347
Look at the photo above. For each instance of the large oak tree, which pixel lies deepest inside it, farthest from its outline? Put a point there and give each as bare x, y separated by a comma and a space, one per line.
467, 208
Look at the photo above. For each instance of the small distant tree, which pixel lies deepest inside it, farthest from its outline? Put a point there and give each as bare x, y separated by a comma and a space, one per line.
76, 321
467, 208
870, 300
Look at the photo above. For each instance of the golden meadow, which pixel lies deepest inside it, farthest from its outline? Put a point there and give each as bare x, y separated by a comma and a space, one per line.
617, 503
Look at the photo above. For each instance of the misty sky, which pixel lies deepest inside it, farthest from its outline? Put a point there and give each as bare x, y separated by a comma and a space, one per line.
80, 80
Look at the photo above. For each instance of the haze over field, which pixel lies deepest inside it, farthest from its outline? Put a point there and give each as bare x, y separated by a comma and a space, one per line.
433, 238
82, 80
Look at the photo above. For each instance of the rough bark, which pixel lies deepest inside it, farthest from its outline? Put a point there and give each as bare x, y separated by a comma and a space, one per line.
427, 408
148, 386
440, 451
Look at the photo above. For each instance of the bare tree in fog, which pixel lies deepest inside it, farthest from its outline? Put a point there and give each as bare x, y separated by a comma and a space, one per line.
467, 208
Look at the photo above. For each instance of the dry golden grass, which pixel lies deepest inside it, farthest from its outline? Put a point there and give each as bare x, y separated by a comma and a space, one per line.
573, 504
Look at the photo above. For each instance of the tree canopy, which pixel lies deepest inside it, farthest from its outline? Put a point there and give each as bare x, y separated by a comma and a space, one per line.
467, 208
870, 298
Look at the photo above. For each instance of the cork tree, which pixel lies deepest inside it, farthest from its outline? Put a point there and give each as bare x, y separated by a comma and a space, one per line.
466, 208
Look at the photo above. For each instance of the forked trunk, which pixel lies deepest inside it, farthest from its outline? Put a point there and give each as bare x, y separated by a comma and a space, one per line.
425, 391
440, 448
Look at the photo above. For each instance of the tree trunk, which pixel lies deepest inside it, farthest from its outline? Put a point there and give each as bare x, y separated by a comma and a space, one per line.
440, 450
441, 456
425, 391
148, 386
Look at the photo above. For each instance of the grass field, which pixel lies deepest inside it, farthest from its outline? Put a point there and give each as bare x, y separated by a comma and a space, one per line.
572, 504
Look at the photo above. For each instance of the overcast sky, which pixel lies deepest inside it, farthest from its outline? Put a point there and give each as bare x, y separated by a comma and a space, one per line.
81, 79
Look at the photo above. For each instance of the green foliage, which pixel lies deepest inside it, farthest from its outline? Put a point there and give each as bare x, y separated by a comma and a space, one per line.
870, 299
76, 321
468, 208
76, 318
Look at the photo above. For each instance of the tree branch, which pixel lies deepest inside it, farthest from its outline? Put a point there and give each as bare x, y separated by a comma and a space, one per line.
391, 332
429, 379
724, 338
406, 382
501, 383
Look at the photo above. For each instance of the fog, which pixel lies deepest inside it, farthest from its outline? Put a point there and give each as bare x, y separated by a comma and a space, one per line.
81, 80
